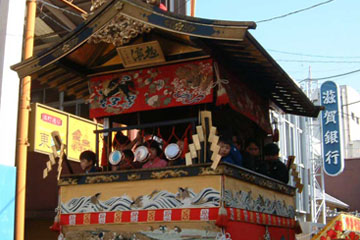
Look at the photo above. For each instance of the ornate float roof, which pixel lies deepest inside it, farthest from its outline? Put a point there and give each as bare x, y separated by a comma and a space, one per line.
92, 50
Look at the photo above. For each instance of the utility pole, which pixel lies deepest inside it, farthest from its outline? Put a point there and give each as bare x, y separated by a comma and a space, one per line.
317, 185
192, 8
23, 125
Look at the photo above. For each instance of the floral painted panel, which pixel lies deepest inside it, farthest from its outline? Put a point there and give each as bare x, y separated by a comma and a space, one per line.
152, 88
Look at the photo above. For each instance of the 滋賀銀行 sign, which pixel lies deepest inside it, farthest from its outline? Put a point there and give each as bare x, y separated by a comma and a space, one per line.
331, 129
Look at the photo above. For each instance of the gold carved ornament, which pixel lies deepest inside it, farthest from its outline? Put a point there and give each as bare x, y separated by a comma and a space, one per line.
95, 4
119, 31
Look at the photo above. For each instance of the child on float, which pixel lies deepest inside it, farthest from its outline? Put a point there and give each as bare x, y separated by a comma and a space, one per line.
122, 142
87, 161
127, 162
155, 152
275, 167
251, 157
228, 152
180, 160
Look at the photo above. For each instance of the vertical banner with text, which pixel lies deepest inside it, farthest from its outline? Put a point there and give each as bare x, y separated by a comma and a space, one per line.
48, 121
331, 129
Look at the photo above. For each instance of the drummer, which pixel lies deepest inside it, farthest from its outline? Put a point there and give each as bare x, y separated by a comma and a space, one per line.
154, 159
179, 160
127, 162
122, 142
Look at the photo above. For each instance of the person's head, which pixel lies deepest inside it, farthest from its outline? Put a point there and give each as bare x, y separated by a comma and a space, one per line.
180, 143
252, 147
154, 149
237, 142
128, 155
271, 152
120, 141
225, 147
87, 160
126, 162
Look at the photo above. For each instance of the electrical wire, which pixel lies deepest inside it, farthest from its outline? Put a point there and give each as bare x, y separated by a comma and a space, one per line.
294, 12
310, 55
53, 20
329, 77
314, 61
59, 8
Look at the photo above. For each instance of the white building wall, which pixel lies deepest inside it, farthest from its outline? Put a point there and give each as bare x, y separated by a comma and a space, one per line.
350, 101
293, 142
12, 13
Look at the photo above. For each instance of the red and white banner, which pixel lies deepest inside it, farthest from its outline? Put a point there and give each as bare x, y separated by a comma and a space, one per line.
167, 215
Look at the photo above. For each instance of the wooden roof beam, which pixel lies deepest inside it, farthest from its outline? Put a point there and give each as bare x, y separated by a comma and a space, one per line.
61, 16
69, 82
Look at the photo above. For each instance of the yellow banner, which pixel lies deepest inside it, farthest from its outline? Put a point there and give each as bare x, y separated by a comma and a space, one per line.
48, 121
76, 132
81, 137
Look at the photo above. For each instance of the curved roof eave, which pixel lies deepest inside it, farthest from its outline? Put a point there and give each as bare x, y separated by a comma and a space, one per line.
139, 11
210, 30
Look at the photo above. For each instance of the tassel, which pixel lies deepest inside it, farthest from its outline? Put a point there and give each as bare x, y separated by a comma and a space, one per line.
104, 159
222, 219
186, 148
56, 225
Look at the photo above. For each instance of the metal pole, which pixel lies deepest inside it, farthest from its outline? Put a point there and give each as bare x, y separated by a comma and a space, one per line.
192, 9
69, 3
147, 125
23, 125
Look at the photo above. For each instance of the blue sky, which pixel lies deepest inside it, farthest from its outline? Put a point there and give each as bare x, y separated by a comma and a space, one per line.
331, 30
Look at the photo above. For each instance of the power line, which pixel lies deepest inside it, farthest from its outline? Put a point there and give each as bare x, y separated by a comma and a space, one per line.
295, 12
314, 61
59, 8
334, 76
310, 55
53, 20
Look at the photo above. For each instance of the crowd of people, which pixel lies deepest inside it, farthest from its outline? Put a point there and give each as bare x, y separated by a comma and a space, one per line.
248, 156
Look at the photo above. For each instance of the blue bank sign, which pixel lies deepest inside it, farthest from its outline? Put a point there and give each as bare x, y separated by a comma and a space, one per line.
331, 129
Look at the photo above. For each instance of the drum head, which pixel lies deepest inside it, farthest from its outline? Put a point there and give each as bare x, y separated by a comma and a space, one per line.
115, 157
141, 154
172, 151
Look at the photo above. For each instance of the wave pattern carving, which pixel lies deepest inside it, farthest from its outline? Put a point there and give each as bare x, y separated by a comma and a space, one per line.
184, 198
244, 200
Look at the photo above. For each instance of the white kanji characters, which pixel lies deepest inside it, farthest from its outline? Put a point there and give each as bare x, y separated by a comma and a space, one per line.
329, 97
331, 137
332, 157
330, 117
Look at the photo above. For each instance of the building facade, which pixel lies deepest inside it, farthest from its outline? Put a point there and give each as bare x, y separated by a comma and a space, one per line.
11, 39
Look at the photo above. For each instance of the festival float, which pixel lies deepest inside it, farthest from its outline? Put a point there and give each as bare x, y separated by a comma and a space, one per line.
342, 227
171, 77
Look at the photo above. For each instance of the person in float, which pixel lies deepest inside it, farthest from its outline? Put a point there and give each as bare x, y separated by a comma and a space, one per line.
127, 163
237, 142
87, 161
122, 142
276, 168
180, 160
228, 152
251, 157
154, 159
